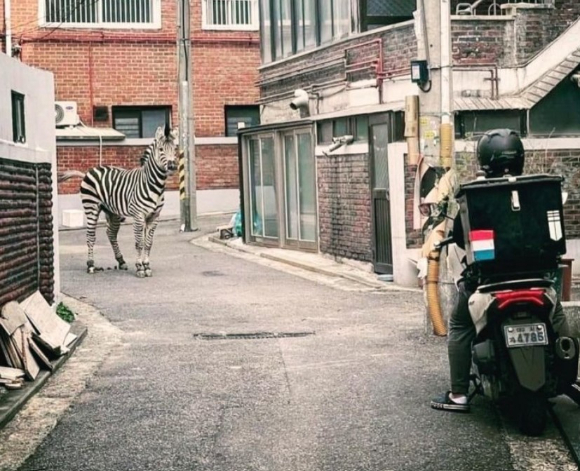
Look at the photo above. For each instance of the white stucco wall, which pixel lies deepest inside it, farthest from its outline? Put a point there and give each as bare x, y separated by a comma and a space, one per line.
37, 86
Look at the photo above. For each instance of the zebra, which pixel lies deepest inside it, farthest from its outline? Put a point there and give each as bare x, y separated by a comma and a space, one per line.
119, 193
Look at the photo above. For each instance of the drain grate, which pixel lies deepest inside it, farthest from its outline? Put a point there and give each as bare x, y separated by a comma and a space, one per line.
251, 335
212, 273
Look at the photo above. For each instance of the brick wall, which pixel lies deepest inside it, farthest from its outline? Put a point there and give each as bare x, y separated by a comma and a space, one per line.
509, 43
109, 67
344, 201
216, 165
414, 236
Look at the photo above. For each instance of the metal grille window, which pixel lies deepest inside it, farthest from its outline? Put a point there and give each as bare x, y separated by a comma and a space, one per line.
137, 122
230, 14
103, 13
18, 128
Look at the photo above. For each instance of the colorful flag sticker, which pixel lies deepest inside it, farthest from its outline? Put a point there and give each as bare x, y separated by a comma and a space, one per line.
482, 245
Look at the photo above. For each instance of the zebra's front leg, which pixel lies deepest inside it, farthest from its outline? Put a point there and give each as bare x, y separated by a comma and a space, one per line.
139, 232
149, 231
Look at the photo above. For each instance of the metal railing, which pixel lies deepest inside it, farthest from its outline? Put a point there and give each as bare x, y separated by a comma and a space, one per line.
493, 8
99, 12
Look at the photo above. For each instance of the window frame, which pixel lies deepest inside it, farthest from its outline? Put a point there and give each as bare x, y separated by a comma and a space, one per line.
99, 24
253, 26
18, 117
351, 124
277, 51
139, 109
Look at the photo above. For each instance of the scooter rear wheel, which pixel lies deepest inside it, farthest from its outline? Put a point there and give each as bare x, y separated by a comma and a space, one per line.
533, 412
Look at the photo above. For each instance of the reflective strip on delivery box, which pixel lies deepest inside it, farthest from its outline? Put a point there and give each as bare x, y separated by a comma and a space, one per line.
482, 245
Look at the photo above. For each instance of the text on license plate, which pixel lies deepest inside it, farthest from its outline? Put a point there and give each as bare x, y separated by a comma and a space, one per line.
525, 335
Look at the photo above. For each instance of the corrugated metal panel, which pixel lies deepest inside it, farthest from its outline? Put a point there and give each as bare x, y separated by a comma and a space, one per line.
26, 237
506, 103
550, 80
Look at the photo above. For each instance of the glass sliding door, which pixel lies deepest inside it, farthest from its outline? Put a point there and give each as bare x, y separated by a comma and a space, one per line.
300, 190
263, 193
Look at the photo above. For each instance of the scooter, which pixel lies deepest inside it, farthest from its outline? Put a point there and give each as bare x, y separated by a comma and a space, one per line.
518, 355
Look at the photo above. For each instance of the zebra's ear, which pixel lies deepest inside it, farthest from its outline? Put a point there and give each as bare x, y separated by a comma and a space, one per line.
159, 133
167, 130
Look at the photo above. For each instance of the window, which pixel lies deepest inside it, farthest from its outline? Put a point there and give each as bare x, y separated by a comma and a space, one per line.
475, 123
230, 14
241, 116
357, 126
103, 13
290, 26
18, 128
137, 122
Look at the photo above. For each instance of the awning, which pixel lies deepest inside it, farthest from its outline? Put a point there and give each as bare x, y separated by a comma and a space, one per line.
87, 133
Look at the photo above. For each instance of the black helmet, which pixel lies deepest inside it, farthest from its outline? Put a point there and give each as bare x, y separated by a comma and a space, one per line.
500, 152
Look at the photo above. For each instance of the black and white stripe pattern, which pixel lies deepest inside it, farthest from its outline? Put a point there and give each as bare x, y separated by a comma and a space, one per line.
138, 193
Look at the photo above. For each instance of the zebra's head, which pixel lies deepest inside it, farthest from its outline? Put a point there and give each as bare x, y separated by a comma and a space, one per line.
165, 144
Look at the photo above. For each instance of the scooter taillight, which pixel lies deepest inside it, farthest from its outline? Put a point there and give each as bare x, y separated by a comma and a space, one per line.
507, 298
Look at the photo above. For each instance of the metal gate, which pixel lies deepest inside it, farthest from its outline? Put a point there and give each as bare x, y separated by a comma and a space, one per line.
380, 195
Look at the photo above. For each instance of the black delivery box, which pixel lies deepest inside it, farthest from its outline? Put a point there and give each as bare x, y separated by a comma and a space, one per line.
512, 224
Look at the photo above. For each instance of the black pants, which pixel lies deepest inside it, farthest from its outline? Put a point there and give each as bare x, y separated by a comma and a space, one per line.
462, 333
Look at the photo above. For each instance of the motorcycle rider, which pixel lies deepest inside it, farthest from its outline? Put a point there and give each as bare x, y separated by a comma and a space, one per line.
500, 152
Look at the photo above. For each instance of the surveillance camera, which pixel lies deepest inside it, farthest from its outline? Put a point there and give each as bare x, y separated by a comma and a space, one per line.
300, 100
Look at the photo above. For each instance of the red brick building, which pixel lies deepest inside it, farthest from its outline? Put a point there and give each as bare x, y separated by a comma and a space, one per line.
117, 63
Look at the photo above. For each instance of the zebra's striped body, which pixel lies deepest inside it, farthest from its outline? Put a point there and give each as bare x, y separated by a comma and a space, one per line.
138, 193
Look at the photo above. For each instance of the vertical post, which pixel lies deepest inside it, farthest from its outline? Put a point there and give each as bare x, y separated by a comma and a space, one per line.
436, 123
188, 197
8, 27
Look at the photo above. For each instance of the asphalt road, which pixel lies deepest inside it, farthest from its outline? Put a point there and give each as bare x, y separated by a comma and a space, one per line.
347, 390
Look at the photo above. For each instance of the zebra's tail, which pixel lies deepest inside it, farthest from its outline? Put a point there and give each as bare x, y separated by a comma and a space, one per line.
63, 177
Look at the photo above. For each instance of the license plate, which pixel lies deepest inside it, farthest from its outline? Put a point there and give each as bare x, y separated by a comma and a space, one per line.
525, 335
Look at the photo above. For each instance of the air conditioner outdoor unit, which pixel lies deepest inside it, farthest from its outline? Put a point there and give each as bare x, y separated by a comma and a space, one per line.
66, 113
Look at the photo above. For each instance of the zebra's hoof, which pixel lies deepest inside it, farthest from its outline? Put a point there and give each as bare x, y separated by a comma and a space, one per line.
91, 270
140, 274
148, 273
123, 266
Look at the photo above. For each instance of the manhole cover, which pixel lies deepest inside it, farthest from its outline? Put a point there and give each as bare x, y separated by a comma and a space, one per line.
212, 273
251, 335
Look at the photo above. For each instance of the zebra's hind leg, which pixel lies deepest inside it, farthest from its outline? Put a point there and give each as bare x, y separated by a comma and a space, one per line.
113, 225
92, 212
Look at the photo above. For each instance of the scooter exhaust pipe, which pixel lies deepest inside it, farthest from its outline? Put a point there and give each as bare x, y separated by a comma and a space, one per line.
565, 348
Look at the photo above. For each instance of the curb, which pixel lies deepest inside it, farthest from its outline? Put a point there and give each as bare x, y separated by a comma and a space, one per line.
13, 401
377, 285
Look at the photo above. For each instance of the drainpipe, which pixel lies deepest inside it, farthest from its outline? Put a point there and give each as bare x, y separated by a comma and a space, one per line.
8, 28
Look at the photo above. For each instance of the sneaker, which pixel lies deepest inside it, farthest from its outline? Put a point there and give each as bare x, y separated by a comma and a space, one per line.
445, 402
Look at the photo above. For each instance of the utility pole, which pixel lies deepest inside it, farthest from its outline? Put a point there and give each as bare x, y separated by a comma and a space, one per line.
187, 171
436, 129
